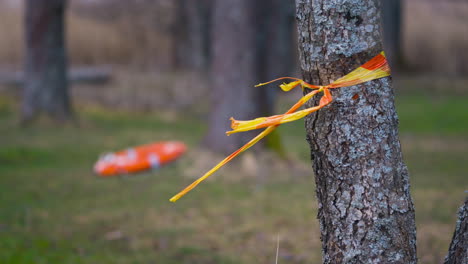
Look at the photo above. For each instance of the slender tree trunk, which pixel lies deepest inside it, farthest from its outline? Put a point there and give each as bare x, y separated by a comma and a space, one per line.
252, 42
233, 72
274, 46
275, 57
391, 18
366, 212
458, 251
192, 34
45, 86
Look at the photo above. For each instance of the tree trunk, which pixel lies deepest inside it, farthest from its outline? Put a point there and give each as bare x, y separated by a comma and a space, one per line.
458, 251
192, 34
233, 72
45, 86
252, 42
275, 57
274, 44
391, 18
366, 212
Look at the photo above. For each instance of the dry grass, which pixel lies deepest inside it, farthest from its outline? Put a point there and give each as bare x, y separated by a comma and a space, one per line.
436, 36
148, 91
91, 40
10, 37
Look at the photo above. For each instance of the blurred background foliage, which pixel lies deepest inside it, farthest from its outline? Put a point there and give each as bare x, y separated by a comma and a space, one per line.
54, 210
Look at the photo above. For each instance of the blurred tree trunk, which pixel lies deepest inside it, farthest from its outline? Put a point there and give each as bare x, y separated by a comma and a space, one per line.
392, 21
233, 71
366, 212
275, 57
274, 44
46, 87
251, 42
458, 251
192, 34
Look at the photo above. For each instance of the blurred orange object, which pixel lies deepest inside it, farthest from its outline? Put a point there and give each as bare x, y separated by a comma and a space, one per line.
139, 158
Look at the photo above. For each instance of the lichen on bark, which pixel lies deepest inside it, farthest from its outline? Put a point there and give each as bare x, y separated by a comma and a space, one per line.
366, 212
458, 250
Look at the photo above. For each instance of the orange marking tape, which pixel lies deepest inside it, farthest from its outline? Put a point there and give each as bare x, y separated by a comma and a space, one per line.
375, 68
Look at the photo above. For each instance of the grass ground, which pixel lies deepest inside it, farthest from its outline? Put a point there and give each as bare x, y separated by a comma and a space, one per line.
54, 210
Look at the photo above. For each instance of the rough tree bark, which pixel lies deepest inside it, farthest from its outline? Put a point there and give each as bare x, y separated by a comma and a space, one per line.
458, 250
45, 86
366, 212
391, 20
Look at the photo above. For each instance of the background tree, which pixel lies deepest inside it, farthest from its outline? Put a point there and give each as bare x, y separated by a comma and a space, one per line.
45, 86
233, 71
275, 57
392, 31
192, 34
251, 42
274, 47
366, 212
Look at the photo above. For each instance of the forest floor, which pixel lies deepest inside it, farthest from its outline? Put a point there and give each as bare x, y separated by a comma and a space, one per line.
53, 209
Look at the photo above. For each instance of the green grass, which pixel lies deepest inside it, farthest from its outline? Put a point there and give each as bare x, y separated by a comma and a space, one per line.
54, 210
426, 115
